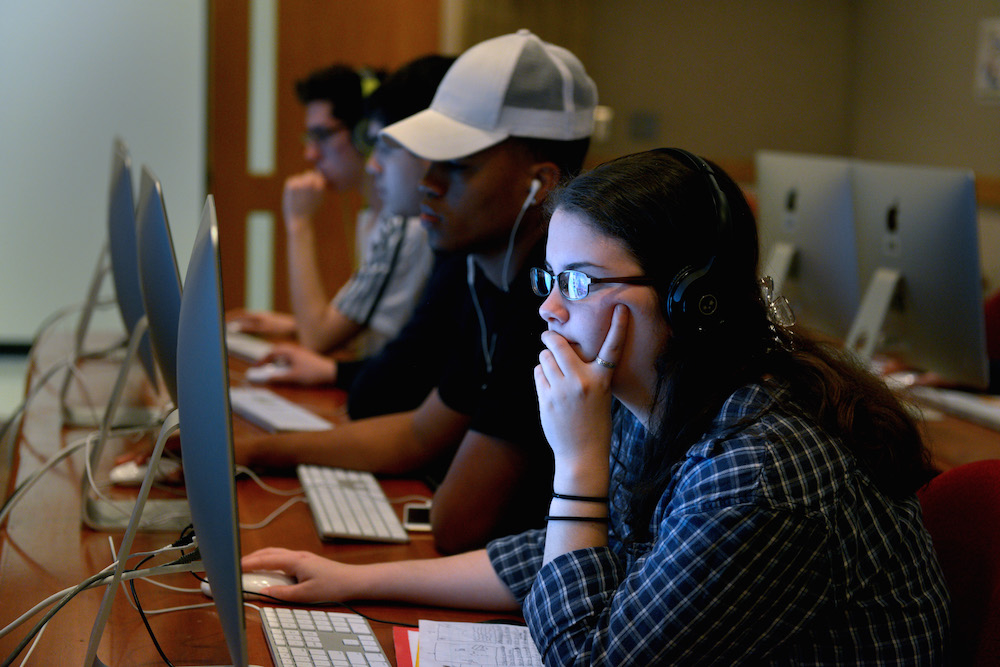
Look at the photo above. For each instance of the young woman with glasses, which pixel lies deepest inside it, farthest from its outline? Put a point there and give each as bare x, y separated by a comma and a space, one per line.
726, 490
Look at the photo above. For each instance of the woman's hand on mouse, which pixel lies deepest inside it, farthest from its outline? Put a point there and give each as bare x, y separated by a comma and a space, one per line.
318, 579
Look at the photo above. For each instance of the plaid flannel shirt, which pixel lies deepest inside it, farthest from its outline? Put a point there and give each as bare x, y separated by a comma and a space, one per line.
769, 547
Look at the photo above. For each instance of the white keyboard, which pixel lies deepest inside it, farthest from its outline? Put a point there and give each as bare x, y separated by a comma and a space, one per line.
980, 409
314, 637
245, 346
348, 504
272, 412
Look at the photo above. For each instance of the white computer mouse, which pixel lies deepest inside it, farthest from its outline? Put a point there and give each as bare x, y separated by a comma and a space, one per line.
265, 372
131, 473
255, 582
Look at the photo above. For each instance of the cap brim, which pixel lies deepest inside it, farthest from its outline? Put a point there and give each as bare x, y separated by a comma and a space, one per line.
433, 136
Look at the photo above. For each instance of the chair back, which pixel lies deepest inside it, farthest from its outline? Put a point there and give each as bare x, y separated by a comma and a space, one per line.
961, 509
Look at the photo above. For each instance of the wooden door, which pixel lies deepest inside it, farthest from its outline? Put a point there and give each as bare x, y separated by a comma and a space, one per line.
311, 34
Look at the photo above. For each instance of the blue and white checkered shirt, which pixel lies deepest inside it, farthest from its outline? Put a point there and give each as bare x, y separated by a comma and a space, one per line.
769, 547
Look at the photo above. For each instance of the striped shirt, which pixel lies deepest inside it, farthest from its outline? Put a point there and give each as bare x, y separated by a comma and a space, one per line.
383, 292
769, 546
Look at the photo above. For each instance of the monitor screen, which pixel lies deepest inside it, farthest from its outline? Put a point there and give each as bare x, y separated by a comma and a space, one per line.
807, 239
123, 249
206, 431
917, 228
159, 277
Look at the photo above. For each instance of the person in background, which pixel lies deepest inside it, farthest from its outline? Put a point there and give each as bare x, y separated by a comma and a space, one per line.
497, 145
726, 490
400, 375
379, 297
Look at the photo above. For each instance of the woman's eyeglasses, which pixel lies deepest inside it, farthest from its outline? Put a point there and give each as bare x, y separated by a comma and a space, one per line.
575, 285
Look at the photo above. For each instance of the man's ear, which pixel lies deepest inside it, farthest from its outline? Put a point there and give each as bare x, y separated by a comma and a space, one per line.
548, 176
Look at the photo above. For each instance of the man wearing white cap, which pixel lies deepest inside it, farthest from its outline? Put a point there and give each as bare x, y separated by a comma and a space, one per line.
510, 120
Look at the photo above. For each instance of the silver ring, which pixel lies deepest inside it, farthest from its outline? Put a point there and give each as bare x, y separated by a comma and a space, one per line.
606, 364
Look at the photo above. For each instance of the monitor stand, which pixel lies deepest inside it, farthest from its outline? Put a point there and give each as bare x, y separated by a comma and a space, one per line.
166, 515
170, 425
866, 329
85, 417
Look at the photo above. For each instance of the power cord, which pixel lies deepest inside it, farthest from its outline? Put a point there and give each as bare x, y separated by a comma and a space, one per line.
23, 488
145, 621
15, 416
63, 598
243, 470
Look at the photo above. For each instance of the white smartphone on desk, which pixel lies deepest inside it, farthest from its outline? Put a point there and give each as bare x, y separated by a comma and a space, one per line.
417, 516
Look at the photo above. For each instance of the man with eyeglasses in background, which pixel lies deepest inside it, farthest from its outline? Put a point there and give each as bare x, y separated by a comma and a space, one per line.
395, 259
401, 375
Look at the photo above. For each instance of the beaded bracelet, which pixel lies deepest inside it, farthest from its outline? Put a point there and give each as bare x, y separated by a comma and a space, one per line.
591, 519
585, 499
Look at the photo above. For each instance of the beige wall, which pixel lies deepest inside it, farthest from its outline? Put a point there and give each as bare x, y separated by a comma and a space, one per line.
881, 79
726, 77
875, 78
914, 98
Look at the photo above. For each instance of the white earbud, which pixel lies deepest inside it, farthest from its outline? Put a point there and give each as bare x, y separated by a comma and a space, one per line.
536, 185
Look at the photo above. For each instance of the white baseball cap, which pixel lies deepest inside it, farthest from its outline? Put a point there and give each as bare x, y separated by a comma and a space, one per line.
510, 86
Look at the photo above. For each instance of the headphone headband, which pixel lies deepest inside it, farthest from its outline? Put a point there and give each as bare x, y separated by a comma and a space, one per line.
719, 199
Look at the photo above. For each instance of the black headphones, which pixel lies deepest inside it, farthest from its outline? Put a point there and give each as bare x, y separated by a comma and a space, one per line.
695, 301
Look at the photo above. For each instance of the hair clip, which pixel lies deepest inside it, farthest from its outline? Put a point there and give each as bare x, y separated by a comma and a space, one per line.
779, 311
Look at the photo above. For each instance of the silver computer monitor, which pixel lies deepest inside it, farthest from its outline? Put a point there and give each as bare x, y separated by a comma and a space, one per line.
807, 239
918, 252
119, 156
206, 430
120, 216
159, 278
123, 251
160, 323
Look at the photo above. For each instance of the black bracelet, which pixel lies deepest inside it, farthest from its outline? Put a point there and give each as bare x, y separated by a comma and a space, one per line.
585, 499
591, 519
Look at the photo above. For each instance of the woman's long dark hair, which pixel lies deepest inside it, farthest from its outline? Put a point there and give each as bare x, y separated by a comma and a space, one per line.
665, 211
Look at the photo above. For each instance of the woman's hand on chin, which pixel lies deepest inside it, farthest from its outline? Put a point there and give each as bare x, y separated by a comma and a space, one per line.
574, 398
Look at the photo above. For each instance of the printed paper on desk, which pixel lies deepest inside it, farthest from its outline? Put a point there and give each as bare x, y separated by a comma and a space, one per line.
475, 645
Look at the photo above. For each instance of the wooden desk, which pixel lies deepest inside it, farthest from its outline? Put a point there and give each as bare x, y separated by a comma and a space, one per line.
953, 442
44, 549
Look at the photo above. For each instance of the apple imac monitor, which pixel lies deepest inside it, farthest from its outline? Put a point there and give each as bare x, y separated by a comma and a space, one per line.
206, 431
806, 223
98, 510
918, 254
119, 155
123, 260
159, 278
123, 248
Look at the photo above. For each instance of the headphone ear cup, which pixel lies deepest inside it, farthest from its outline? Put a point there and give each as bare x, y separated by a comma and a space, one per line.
693, 303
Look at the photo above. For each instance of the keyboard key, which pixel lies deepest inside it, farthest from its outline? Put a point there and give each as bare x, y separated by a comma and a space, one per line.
349, 641
349, 504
